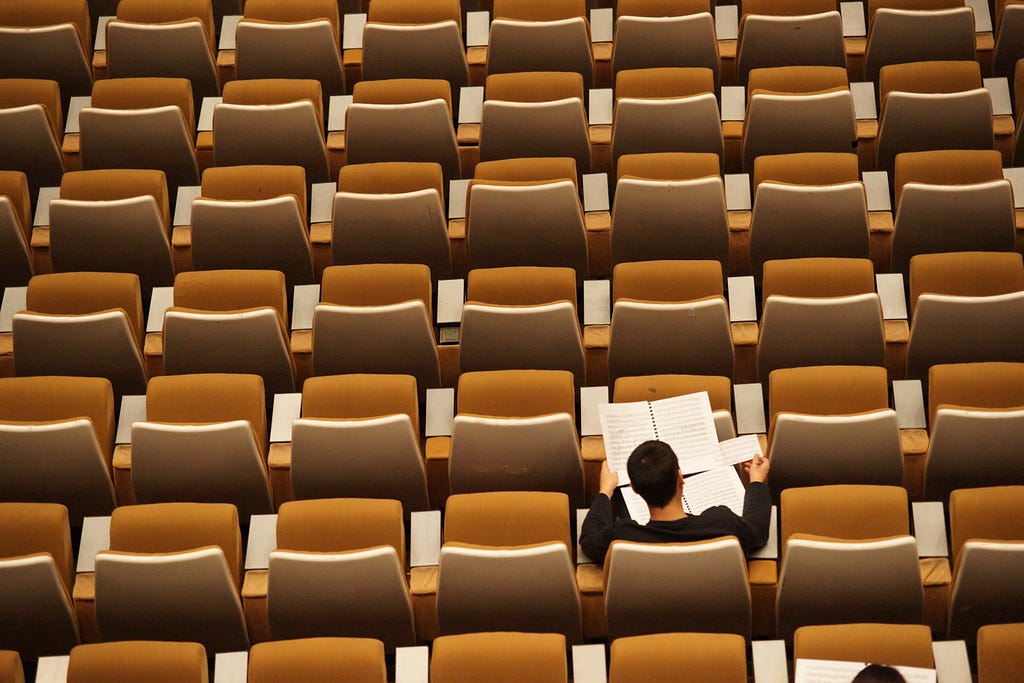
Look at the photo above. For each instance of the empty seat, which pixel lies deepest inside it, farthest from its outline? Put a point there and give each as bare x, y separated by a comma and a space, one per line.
392, 212
819, 311
113, 220
172, 573
1009, 39
57, 436
975, 410
15, 229
141, 123
987, 542
376, 318
526, 212
204, 440
965, 307
402, 119
658, 588
339, 570
668, 34
36, 567
690, 657
272, 121
253, 217
669, 206
832, 425
521, 318
291, 40
31, 130
527, 37
669, 317
50, 39
516, 431
801, 38
230, 321
359, 437
999, 659
169, 39
82, 324
502, 657
897, 35
535, 114
160, 662
359, 660
500, 569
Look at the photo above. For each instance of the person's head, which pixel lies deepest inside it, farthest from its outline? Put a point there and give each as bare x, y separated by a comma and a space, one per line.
878, 673
653, 470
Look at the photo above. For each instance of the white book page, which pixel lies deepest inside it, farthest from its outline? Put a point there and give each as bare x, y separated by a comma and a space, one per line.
825, 671
624, 427
740, 449
720, 486
637, 506
687, 425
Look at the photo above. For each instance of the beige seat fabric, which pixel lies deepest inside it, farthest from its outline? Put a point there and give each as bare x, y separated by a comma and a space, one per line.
159, 662
893, 644
50, 39
554, 37
360, 660
11, 670
85, 325
501, 657
57, 435
999, 659
803, 39
173, 573
645, 41
15, 229
659, 588
898, 36
31, 130
691, 657
36, 570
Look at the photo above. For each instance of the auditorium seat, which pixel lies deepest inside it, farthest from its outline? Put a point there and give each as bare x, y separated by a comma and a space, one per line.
339, 570
392, 212
291, 40
168, 39
172, 573
272, 121
891, 644
149, 660
665, 110
976, 411
85, 325
535, 114
552, 36
819, 311
359, 437
515, 430
899, 33
113, 220
522, 318
1009, 47
253, 217
358, 660
402, 119
669, 205
999, 656
141, 123
987, 540
36, 569
31, 130
847, 557
679, 658
506, 562
773, 33
832, 425
49, 39
670, 33
11, 670
669, 317
660, 588
57, 434
376, 318
501, 657
230, 321
15, 229
204, 440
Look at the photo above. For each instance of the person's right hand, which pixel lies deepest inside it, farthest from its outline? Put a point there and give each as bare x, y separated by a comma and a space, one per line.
609, 480
757, 468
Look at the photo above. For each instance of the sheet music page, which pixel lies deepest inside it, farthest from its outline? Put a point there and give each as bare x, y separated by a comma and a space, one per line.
624, 426
686, 424
825, 671
637, 506
720, 486
740, 449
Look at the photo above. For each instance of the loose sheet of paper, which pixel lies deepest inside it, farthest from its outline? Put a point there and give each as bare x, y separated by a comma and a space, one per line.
720, 486
825, 671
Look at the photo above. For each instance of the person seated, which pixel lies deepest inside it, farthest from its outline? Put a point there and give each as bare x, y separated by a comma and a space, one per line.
653, 469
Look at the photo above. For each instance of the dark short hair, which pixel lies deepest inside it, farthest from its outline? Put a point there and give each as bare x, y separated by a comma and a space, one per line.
653, 470
878, 673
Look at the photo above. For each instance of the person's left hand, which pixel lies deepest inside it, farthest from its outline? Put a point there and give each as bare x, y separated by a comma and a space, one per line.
609, 480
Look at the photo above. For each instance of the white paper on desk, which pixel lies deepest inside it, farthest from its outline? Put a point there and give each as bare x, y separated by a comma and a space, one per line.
720, 486
826, 671
683, 422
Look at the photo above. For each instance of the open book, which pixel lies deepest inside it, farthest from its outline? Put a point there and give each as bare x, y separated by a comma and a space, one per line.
720, 486
683, 422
